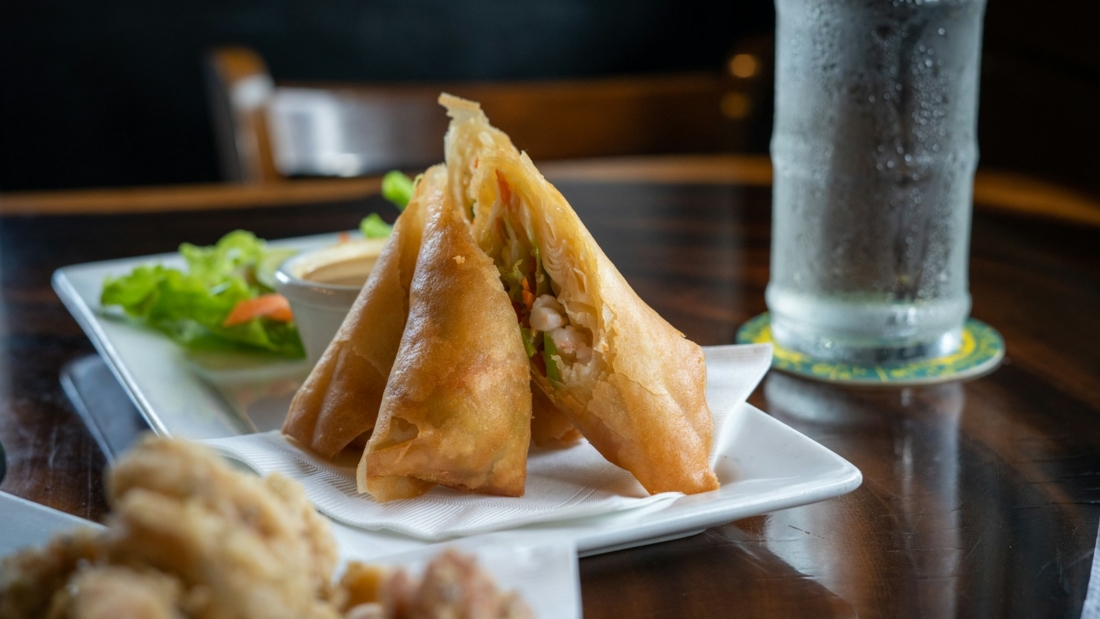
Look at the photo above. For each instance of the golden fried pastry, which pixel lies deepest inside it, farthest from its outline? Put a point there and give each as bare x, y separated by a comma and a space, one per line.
549, 426
457, 407
338, 403
627, 379
470, 138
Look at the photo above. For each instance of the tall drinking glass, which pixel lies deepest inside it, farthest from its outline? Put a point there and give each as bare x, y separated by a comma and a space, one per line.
874, 151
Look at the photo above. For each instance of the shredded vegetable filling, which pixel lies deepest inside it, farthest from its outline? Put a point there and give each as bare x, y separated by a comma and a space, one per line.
551, 341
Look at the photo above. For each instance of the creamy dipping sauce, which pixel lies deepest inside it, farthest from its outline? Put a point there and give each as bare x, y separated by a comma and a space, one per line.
345, 264
350, 272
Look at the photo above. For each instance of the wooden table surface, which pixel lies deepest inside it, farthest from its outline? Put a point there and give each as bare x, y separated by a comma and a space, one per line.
979, 499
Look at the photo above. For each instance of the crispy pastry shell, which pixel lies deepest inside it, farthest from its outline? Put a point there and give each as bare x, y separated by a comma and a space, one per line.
457, 408
641, 399
339, 401
469, 139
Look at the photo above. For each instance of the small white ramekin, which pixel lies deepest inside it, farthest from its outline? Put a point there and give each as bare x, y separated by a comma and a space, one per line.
320, 308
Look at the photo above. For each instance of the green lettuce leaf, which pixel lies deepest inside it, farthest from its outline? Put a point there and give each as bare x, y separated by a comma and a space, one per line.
397, 188
373, 227
528, 344
234, 254
191, 306
549, 351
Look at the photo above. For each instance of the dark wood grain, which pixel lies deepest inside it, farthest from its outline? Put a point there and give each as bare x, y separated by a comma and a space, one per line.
980, 498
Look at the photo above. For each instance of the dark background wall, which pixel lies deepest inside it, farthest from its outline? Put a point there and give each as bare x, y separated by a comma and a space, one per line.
111, 93
1040, 92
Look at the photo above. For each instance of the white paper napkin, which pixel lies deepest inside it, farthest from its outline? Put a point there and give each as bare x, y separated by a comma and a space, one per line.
562, 484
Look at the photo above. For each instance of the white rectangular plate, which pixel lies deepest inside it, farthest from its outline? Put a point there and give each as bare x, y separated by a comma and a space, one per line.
162, 380
777, 466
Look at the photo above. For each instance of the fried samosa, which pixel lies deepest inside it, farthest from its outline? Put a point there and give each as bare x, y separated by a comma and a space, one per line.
338, 403
629, 381
469, 138
549, 426
457, 407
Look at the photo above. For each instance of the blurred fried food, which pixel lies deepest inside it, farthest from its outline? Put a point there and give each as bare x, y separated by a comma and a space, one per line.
452, 586
191, 537
29, 579
188, 536
112, 592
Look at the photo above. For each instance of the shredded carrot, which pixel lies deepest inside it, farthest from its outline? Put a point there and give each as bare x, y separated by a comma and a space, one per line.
505, 189
528, 298
271, 306
343, 237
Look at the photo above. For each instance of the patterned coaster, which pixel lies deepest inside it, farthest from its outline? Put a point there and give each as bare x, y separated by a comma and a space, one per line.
982, 350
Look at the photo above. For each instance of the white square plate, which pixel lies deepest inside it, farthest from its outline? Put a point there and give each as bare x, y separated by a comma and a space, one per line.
777, 466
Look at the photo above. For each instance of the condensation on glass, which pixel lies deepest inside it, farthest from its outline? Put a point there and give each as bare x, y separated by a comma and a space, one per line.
874, 151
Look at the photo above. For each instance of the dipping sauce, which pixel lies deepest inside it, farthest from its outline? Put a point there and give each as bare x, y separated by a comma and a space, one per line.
345, 264
322, 285
350, 272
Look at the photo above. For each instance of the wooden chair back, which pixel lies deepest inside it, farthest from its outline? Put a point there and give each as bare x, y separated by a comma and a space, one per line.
269, 131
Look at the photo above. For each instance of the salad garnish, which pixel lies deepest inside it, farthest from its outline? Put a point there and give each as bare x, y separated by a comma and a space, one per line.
225, 300
398, 189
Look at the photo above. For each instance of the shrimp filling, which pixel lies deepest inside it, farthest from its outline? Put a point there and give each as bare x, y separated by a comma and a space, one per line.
552, 341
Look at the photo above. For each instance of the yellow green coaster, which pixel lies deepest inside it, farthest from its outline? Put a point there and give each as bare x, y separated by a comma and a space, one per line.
982, 349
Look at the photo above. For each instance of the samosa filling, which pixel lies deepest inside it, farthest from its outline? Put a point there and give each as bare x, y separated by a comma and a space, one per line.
551, 341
